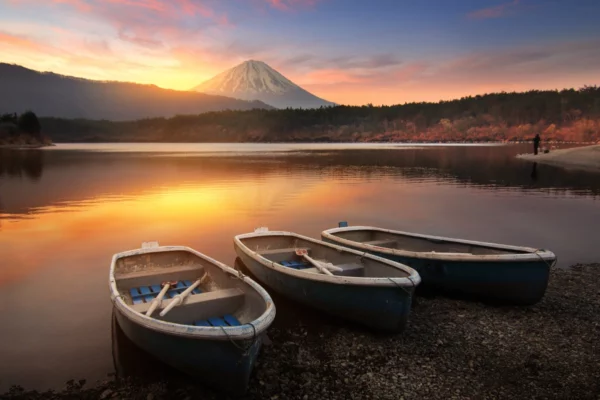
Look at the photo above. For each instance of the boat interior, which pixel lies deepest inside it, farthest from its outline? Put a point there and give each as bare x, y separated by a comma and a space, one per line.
221, 299
282, 250
419, 244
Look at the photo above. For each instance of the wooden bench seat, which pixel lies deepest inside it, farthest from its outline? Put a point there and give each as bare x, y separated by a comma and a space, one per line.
276, 251
154, 277
383, 243
150, 292
197, 307
351, 269
278, 255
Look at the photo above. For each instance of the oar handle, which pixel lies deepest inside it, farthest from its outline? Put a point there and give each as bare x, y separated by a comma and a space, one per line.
158, 299
179, 298
318, 265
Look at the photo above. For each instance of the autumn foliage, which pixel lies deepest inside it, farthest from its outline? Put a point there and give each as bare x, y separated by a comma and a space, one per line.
567, 115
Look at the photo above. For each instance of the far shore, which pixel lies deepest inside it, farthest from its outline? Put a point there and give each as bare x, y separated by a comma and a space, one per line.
582, 158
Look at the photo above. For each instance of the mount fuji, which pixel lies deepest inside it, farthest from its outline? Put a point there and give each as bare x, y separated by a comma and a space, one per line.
255, 80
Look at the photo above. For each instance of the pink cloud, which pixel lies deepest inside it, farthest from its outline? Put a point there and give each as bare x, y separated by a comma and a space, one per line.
148, 23
551, 66
498, 11
287, 5
332, 76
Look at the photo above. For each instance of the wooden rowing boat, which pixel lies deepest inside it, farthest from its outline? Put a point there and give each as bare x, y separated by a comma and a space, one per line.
213, 333
492, 271
366, 289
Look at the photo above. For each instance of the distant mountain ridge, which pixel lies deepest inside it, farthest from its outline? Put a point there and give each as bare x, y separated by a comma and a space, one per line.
52, 95
255, 80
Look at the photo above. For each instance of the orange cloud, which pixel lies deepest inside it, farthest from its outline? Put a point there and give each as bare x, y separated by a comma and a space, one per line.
11, 40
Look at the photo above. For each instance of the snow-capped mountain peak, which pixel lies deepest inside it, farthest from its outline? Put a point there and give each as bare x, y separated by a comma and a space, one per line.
255, 80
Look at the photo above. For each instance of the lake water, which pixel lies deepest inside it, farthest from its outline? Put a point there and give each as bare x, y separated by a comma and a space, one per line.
66, 210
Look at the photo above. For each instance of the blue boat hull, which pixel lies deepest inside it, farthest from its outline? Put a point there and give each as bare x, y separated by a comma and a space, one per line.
221, 364
380, 308
522, 283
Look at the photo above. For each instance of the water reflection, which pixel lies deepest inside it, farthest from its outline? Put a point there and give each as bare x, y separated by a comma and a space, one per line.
534, 172
66, 212
132, 362
73, 177
28, 163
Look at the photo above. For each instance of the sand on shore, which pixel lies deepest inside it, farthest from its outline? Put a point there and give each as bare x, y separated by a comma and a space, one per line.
585, 158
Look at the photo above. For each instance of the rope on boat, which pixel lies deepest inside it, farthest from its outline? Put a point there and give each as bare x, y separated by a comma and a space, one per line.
402, 287
245, 350
239, 271
119, 296
537, 253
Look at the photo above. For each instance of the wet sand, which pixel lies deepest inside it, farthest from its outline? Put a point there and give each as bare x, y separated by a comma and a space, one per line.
452, 349
583, 158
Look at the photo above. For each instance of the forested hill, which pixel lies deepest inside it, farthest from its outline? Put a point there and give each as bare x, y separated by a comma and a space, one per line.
50, 94
568, 115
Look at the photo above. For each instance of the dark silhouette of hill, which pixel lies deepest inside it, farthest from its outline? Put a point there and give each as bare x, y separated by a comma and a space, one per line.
53, 95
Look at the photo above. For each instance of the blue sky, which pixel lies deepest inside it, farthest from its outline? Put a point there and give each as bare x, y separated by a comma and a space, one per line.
352, 52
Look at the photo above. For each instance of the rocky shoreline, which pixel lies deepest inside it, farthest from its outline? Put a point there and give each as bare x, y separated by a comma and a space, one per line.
452, 349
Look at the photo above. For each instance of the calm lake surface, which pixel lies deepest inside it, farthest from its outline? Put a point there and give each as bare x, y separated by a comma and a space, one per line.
66, 210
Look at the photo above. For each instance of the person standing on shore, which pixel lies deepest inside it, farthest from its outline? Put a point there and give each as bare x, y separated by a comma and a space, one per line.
536, 143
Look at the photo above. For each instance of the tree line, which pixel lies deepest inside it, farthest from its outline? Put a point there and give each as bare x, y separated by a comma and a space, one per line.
566, 115
13, 126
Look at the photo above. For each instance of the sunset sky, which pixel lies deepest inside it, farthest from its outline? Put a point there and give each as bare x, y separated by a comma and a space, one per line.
350, 52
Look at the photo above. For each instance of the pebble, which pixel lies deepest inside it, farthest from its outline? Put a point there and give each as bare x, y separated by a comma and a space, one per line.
549, 351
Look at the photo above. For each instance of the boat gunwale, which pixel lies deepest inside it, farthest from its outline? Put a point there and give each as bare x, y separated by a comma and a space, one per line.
249, 330
412, 280
530, 254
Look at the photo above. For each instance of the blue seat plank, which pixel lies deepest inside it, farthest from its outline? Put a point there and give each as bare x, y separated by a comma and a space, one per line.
144, 290
202, 323
188, 284
146, 293
296, 264
231, 320
155, 289
217, 321
136, 296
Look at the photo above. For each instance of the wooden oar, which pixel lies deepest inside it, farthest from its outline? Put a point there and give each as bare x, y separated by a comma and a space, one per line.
177, 300
324, 268
158, 299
